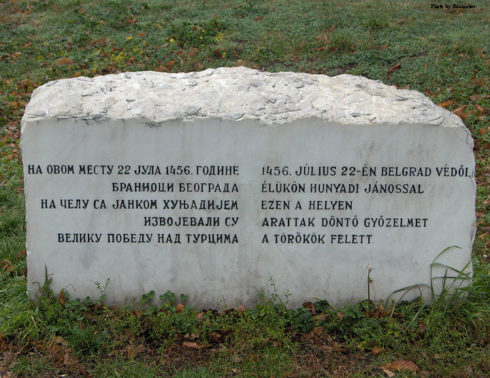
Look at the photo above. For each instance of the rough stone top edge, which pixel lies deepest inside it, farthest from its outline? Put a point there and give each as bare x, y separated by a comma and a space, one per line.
236, 93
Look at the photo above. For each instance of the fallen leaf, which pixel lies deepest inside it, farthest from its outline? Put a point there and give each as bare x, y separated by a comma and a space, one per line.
394, 68
59, 340
63, 61
66, 359
241, 308
15, 55
336, 347
445, 104
170, 64
133, 351
460, 112
61, 297
399, 365
193, 345
310, 307
322, 37
317, 331
376, 350
388, 372
480, 109
216, 337
7, 266
193, 51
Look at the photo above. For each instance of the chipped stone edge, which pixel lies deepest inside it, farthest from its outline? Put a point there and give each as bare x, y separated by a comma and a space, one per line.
41, 110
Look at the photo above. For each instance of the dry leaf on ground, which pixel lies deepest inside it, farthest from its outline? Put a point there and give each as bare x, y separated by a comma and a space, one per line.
63, 61
394, 68
179, 307
399, 365
193, 345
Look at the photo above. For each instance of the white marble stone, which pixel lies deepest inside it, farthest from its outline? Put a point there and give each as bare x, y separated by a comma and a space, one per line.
150, 131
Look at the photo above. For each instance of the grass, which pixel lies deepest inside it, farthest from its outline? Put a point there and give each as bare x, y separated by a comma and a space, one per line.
55, 335
441, 52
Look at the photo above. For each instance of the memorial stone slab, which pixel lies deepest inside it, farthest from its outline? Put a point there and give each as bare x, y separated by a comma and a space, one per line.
215, 183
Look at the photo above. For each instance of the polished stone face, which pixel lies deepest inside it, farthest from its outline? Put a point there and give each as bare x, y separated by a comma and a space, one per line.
132, 186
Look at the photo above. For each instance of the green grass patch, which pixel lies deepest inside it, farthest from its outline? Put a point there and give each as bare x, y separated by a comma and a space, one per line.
166, 337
